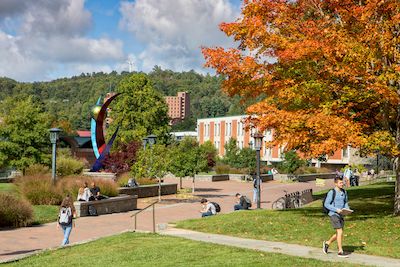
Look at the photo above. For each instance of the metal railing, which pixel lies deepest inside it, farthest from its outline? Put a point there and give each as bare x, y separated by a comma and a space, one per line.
154, 217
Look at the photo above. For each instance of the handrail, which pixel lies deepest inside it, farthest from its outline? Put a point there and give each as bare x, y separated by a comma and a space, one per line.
154, 221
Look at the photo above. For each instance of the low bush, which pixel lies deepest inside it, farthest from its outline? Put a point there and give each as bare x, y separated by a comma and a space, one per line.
123, 178
146, 181
69, 166
38, 189
311, 170
37, 169
222, 169
70, 185
14, 212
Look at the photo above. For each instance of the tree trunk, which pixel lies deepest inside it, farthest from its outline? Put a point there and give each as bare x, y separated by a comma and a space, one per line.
396, 209
159, 189
180, 182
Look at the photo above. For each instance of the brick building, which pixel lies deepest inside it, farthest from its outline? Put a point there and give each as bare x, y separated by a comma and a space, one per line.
219, 130
179, 106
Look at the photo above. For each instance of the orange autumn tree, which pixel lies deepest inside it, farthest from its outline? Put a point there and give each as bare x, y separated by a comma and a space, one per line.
330, 71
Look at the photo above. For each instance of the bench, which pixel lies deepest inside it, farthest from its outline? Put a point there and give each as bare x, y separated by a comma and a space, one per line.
105, 206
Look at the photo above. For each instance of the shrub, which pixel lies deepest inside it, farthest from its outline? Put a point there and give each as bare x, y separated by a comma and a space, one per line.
146, 181
39, 190
123, 179
37, 169
14, 212
69, 166
311, 170
222, 169
70, 185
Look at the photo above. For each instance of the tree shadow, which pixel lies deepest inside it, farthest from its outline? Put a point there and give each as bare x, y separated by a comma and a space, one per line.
352, 248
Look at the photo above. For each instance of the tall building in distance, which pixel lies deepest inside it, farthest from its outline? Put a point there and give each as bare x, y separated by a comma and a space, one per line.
179, 106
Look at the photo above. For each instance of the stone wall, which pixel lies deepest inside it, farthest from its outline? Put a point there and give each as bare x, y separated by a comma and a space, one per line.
304, 177
106, 175
105, 206
149, 190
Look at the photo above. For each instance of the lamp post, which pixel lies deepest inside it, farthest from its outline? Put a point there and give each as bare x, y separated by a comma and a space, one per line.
144, 142
152, 140
54, 136
250, 147
257, 146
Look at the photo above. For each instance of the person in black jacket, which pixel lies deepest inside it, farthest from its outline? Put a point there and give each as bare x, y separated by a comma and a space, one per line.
243, 203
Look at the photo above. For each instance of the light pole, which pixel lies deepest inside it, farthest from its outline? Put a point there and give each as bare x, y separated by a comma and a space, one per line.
257, 145
250, 147
54, 136
152, 140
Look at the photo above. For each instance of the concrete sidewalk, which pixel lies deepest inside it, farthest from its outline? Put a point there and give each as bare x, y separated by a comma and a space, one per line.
278, 247
18, 242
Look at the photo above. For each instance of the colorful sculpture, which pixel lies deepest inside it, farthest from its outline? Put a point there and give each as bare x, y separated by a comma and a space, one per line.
100, 148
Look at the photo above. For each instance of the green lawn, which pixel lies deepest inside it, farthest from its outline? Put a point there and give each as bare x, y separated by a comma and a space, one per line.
371, 229
138, 249
41, 214
4, 187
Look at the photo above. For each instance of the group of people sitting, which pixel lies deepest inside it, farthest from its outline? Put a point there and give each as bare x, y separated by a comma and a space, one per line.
86, 194
209, 208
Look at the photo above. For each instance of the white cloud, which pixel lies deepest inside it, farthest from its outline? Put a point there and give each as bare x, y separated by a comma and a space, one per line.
173, 31
45, 35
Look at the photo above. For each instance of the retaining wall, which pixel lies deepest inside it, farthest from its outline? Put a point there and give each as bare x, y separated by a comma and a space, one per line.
149, 190
304, 177
106, 206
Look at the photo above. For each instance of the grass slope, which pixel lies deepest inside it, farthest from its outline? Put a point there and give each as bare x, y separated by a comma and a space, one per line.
371, 229
139, 249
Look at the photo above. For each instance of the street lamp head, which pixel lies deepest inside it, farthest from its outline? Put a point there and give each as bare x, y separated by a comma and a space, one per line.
54, 134
152, 139
144, 142
251, 145
258, 141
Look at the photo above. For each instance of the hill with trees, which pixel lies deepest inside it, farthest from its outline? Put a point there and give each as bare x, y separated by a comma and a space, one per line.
69, 100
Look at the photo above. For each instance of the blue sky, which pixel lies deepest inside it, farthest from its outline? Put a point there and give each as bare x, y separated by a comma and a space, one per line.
42, 40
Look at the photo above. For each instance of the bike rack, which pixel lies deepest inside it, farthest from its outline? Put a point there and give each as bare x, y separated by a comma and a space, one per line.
154, 217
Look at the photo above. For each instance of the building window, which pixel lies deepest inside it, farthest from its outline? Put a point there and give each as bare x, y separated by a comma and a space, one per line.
230, 129
345, 152
238, 128
226, 129
242, 144
219, 129
208, 133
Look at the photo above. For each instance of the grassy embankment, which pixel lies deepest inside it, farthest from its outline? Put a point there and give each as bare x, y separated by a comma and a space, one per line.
371, 229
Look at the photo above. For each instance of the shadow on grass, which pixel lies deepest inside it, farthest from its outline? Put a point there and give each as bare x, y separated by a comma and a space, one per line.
353, 248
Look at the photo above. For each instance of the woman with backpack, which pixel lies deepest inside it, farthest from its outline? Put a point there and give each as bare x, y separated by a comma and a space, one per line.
66, 213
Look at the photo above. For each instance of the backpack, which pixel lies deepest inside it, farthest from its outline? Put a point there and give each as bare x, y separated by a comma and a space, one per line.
217, 207
92, 211
65, 216
248, 201
324, 209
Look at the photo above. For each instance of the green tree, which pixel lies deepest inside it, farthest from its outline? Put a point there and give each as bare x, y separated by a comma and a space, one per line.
231, 152
151, 163
188, 159
246, 158
140, 111
291, 162
24, 135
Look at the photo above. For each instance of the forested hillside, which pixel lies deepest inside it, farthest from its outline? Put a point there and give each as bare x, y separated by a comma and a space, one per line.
70, 99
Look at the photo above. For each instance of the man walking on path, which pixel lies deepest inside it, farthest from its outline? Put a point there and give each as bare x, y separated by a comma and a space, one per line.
335, 202
347, 175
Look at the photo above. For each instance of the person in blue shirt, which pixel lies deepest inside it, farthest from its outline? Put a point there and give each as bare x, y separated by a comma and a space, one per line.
335, 208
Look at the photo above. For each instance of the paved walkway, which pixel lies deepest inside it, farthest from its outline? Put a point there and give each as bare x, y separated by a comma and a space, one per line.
17, 243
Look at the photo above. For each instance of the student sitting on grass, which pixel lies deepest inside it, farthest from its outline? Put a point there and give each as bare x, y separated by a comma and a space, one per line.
208, 208
335, 206
243, 203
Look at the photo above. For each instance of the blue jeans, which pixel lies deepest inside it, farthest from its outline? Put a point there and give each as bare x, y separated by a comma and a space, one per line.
239, 207
255, 195
204, 214
67, 230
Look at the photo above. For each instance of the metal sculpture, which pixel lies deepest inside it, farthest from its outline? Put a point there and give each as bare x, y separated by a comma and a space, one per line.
100, 148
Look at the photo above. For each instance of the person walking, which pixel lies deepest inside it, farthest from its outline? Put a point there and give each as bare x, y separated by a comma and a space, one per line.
335, 202
66, 206
255, 189
347, 175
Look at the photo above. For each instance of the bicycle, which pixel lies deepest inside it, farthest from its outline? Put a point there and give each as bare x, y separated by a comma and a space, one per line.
288, 201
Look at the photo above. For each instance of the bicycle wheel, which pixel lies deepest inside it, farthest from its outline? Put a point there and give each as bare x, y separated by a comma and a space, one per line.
302, 202
279, 204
